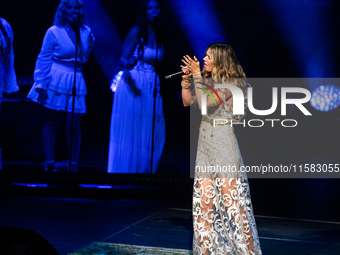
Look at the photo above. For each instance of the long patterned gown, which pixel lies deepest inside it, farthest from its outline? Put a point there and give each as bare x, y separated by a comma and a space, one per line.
223, 217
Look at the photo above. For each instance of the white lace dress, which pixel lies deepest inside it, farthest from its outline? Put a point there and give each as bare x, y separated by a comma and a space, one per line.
223, 217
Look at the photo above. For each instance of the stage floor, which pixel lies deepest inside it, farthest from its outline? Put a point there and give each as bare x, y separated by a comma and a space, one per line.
71, 224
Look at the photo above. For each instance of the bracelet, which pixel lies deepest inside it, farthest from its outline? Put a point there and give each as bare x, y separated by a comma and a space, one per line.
196, 72
184, 87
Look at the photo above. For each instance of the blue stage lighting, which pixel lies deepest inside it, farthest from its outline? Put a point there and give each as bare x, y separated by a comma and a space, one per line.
95, 186
302, 24
32, 185
325, 98
108, 43
200, 22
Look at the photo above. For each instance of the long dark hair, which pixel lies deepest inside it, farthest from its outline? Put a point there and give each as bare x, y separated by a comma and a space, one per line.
143, 23
5, 52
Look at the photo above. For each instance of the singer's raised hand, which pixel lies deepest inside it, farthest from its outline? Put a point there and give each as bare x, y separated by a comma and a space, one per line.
186, 95
186, 77
185, 70
193, 65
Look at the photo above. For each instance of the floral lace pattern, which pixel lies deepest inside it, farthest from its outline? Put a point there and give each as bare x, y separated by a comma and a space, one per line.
223, 216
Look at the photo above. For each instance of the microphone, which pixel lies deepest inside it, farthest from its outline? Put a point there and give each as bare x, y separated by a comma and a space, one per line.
174, 75
158, 20
76, 20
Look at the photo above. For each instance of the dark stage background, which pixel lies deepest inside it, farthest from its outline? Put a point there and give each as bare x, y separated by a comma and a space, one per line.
296, 39
249, 26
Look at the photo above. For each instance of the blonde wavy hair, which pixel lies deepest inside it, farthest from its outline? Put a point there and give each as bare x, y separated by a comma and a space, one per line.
60, 16
226, 68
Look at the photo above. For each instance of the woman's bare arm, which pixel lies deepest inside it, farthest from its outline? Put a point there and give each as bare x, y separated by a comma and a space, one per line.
129, 46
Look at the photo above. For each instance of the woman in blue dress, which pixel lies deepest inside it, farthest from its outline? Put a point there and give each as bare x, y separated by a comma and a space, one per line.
132, 110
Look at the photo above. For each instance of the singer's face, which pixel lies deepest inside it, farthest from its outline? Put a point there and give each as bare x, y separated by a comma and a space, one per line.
152, 10
72, 11
207, 66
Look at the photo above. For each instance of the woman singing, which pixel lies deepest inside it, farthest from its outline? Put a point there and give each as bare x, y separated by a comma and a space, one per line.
133, 105
54, 77
223, 217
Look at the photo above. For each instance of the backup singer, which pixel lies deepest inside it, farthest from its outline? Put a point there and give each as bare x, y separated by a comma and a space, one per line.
132, 110
223, 217
8, 79
54, 77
